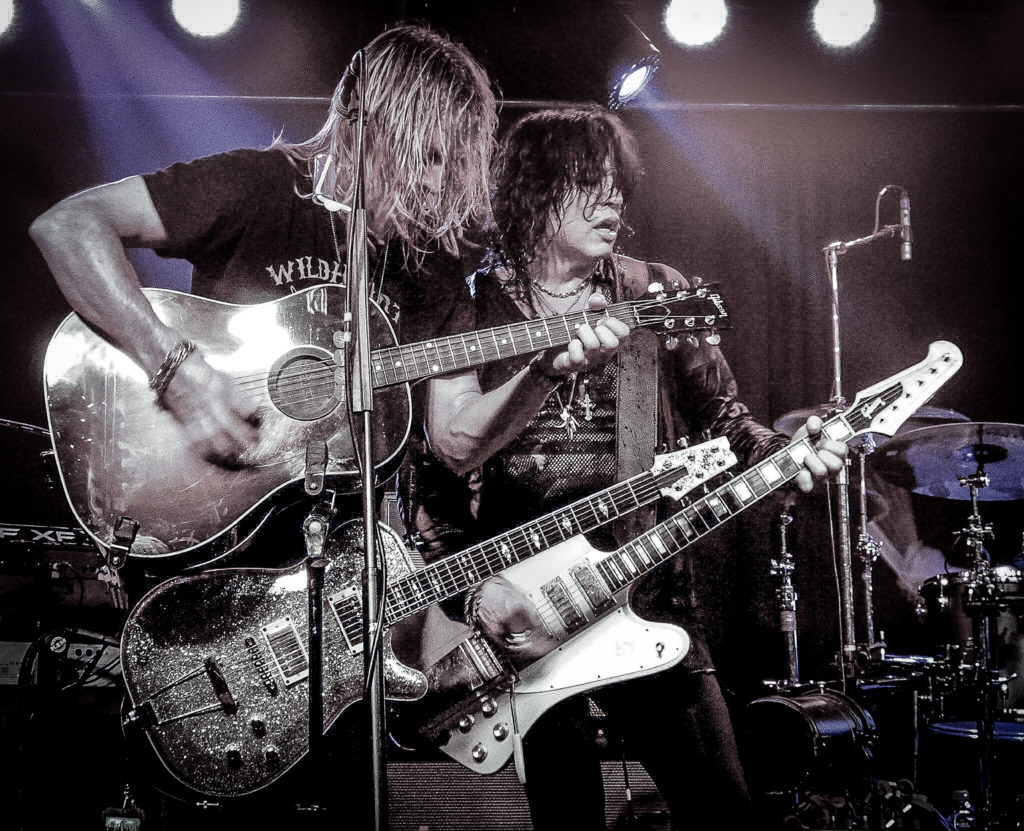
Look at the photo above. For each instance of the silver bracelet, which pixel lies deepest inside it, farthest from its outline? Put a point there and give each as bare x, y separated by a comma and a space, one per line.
165, 372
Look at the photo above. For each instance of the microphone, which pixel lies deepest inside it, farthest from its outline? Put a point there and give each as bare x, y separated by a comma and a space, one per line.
348, 85
906, 236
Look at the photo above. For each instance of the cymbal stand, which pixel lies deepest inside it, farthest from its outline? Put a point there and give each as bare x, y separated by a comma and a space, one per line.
783, 568
867, 548
832, 252
982, 601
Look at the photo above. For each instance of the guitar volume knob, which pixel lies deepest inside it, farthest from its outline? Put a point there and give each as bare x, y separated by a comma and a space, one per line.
488, 706
500, 731
466, 723
479, 753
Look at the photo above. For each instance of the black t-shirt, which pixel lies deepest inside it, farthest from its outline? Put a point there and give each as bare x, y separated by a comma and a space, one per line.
238, 218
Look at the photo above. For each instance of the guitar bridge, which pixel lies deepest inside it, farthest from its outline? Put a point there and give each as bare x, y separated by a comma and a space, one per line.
462, 687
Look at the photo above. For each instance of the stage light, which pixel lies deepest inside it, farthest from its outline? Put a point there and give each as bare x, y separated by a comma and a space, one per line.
634, 71
695, 22
843, 22
206, 18
6, 15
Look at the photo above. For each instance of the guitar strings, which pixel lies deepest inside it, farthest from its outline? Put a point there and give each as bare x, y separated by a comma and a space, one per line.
459, 577
296, 387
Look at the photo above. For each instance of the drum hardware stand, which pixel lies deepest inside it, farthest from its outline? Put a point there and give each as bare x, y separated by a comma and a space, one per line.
981, 601
867, 552
786, 594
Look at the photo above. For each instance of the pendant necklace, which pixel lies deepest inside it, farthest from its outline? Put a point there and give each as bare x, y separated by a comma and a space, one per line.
568, 420
567, 407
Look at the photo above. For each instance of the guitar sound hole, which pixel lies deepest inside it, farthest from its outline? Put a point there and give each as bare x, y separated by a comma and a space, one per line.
302, 384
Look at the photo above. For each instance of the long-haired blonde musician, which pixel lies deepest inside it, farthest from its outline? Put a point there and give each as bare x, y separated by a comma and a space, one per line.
259, 224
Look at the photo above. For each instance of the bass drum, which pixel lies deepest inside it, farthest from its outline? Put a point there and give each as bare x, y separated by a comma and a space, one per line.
817, 741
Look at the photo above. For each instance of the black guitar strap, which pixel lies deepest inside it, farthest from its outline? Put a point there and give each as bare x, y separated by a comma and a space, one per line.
636, 414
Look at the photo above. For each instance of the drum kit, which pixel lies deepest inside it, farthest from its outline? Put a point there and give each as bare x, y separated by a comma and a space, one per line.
946, 729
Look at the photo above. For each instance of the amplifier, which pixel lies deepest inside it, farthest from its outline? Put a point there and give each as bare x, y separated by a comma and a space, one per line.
27, 537
93, 664
44, 566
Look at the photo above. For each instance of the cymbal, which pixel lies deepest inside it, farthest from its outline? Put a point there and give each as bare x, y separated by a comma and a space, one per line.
930, 460
922, 417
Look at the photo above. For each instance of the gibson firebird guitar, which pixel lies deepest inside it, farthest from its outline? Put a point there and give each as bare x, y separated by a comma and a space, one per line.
137, 488
216, 664
601, 642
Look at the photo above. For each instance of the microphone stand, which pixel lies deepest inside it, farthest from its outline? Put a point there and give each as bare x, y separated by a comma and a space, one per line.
832, 252
361, 401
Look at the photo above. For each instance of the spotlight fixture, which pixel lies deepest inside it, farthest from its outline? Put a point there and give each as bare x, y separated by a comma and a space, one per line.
695, 22
206, 18
6, 15
641, 60
843, 23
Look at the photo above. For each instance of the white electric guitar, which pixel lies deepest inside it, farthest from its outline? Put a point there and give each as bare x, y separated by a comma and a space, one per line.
582, 594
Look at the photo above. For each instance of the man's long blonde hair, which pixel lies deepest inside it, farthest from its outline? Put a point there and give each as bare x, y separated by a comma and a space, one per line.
423, 93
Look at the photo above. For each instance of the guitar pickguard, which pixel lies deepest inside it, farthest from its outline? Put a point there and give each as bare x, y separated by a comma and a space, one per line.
599, 641
618, 647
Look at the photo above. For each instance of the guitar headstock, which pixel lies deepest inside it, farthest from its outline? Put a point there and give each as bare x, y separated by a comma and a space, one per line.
685, 469
884, 407
677, 312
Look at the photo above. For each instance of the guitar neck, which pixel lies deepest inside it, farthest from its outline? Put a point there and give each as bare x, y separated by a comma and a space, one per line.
411, 362
458, 572
652, 548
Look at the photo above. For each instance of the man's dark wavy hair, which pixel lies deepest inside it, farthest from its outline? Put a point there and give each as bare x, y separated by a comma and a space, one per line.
544, 156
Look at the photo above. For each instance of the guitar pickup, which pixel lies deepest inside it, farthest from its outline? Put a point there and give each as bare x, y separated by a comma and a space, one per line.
287, 649
593, 589
348, 613
566, 608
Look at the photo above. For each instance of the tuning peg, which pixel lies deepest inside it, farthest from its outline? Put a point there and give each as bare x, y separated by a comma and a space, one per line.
655, 288
671, 342
714, 339
697, 281
692, 340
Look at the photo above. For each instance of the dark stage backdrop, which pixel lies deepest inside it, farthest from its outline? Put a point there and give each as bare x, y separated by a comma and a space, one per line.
742, 194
